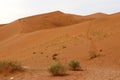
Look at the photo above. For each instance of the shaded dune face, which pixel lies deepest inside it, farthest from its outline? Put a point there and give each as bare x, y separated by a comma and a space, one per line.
50, 20
40, 22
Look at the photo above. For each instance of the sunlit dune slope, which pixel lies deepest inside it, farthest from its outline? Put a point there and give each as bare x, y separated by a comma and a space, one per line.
50, 20
39, 22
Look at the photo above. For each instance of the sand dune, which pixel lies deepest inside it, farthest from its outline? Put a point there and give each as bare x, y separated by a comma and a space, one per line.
50, 20
79, 34
97, 15
39, 22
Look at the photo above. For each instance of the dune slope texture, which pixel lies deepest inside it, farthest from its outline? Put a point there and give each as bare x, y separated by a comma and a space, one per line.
92, 40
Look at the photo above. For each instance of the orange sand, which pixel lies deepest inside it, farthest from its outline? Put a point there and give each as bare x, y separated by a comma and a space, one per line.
48, 33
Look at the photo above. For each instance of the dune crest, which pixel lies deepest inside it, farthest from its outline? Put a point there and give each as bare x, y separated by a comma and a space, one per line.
50, 20
97, 15
39, 22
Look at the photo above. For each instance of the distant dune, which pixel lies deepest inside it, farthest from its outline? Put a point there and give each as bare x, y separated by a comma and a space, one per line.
50, 20
97, 15
40, 22
33, 40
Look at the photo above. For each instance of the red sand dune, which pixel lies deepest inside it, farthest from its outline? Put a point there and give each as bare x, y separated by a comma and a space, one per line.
80, 34
97, 15
50, 20
39, 22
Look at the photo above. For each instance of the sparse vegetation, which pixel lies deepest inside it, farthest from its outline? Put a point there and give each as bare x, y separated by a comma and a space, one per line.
100, 50
10, 67
54, 56
57, 69
74, 65
93, 55
34, 52
64, 47
41, 52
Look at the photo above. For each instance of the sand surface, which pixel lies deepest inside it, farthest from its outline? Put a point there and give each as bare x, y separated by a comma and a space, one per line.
47, 34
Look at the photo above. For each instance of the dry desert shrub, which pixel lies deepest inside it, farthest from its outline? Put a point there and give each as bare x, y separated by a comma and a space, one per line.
93, 54
54, 56
57, 69
10, 67
63, 47
75, 65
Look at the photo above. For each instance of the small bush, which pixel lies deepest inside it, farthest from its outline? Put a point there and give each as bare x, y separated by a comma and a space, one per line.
74, 65
10, 67
57, 69
64, 47
41, 52
100, 50
54, 56
34, 52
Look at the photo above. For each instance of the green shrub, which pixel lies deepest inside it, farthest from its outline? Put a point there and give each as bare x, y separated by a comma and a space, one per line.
74, 65
57, 69
10, 67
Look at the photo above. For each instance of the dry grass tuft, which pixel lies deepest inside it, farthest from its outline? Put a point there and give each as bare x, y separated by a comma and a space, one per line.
10, 67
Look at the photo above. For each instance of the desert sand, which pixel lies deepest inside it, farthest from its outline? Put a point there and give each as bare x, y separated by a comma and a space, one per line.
46, 34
